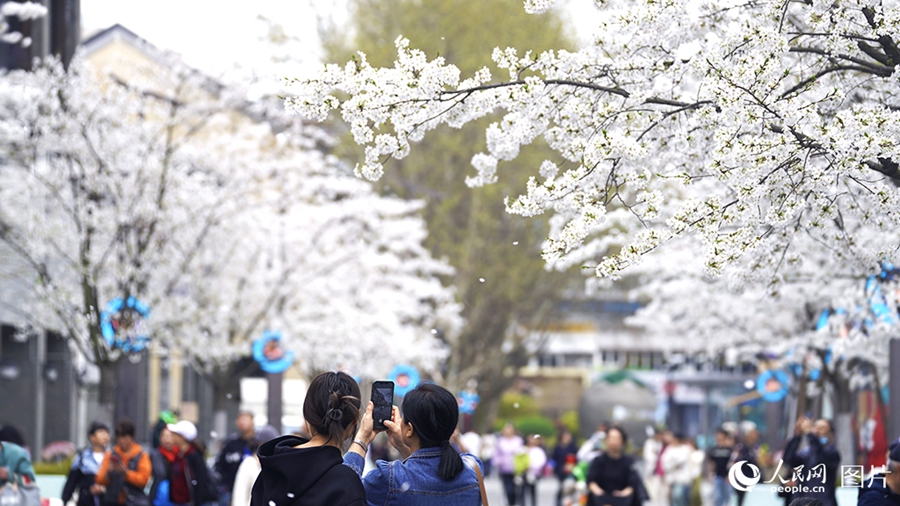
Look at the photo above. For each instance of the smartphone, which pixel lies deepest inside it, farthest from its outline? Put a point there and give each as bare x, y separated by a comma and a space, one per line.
383, 399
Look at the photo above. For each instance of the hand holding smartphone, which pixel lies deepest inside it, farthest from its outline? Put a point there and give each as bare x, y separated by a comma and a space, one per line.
383, 401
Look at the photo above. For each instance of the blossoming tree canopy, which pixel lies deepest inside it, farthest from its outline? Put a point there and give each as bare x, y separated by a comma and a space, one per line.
746, 125
228, 227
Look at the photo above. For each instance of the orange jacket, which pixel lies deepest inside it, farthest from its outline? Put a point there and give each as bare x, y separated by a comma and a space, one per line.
137, 478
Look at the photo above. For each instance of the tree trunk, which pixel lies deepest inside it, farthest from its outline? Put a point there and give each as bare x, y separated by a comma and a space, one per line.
107, 391
843, 419
226, 383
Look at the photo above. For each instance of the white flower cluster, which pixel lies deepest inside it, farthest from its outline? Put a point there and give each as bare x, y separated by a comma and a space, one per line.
761, 128
224, 226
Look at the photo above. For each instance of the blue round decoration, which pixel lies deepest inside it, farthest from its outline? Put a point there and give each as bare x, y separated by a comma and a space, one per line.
405, 378
765, 385
274, 360
468, 401
109, 324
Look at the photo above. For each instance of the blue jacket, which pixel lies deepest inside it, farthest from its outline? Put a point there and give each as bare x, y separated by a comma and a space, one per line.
415, 481
15, 458
878, 494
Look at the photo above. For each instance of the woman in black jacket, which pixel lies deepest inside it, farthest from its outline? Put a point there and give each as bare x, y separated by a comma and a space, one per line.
612, 478
310, 472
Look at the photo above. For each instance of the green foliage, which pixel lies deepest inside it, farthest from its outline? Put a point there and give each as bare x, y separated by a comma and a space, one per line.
570, 421
500, 276
536, 424
53, 467
514, 406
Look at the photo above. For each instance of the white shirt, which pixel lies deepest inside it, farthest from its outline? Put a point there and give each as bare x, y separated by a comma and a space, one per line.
676, 464
537, 459
246, 476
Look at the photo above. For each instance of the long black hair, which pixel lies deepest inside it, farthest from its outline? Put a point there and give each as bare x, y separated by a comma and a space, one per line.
433, 412
332, 404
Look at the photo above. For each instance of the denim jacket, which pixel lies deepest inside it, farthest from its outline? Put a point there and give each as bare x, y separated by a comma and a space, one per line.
415, 481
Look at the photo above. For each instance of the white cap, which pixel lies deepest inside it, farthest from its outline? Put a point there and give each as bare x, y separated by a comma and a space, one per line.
184, 428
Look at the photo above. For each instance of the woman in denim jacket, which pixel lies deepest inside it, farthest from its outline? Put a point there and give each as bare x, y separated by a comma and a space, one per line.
432, 472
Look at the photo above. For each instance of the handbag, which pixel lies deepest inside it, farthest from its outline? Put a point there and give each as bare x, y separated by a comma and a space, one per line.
474, 465
15, 494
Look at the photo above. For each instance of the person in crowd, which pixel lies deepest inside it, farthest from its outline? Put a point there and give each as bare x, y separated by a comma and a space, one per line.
594, 445
719, 456
746, 450
676, 464
471, 441
85, 466
488, 445
508, 445
235, 449
612, 478
653, 472
161, 459
813, 446
701, 488
883, 489
298, 471
165, 418
537, 459
565, 447
431, 472
248, 471
14, 459
125, 470
189, 479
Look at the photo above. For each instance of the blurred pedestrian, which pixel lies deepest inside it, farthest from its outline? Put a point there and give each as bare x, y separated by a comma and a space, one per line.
746, 450
612, 478
249, 469
565, 448
14, 461
508, 445
488, 445
189, 480
85, 466
471, 441
653, 471
701, 488
537, 460
812, 447
718, 457
594, 445
676, 463
883, 489
310, 472
165, 418
235, 449
125, 470
161, 459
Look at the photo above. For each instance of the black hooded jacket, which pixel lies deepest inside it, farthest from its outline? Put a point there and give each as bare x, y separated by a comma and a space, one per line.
304, 476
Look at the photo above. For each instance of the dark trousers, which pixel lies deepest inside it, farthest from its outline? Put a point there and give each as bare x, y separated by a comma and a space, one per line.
509, 487
559, 491
528, 489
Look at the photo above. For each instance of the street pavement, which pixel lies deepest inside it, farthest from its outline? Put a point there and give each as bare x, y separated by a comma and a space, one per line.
761, 495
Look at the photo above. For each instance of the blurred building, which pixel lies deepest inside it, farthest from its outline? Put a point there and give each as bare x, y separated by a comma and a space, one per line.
590, 353
58, 33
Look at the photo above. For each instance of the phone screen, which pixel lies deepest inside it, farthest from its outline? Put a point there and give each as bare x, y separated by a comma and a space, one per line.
383, 399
